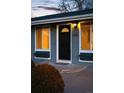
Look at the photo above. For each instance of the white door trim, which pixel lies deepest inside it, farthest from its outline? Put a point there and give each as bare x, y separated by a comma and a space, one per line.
57, 46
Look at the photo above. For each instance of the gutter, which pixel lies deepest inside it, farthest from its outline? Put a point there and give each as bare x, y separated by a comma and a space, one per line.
63, 19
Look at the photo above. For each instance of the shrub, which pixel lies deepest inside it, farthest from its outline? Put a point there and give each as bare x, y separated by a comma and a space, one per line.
33, 77
46, 79
32, 64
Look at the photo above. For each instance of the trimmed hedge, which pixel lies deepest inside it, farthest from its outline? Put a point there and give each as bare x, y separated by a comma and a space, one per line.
46, 79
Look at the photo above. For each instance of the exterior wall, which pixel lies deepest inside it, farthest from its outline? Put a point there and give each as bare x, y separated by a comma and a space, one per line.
35, 59
74, 47
32, 41
53, 43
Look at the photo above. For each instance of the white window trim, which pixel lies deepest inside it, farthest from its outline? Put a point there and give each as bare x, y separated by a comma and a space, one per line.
85, 61
84, 51
42, 58
47, 50
49, 40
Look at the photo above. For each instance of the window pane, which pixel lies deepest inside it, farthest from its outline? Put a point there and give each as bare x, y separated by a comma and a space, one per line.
38, 39
45, 38
42, 38
91, 28
86, 36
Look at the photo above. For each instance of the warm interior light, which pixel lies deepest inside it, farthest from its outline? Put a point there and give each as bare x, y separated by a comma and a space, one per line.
65, 30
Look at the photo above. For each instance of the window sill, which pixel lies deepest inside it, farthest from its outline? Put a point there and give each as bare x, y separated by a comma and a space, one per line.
42, 50
86, 51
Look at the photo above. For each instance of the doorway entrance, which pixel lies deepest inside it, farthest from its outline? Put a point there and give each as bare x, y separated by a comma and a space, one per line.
64, 43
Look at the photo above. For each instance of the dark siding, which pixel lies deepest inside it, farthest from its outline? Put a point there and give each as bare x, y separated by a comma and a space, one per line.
86, 56
42, 54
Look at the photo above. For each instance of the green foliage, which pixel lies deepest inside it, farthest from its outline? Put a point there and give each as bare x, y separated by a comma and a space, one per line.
46, 79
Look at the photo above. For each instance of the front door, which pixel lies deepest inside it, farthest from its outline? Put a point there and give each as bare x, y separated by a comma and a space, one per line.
64, 42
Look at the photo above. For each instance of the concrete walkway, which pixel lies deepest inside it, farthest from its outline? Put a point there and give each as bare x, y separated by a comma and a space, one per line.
77, 78
69, 68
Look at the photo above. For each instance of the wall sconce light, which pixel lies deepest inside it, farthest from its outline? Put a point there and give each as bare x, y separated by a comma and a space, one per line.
75, 25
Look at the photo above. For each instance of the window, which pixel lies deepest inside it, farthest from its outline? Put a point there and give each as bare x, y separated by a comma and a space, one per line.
42, 38
87, 35
65, 30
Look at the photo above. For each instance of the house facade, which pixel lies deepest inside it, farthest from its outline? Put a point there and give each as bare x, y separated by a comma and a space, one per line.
63, 38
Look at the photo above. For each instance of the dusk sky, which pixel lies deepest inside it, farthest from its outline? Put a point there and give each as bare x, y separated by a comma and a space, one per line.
43, 7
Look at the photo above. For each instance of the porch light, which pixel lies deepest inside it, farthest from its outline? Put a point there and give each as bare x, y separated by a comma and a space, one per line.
75, 25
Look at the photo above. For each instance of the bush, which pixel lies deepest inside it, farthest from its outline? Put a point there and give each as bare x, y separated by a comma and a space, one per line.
46, 79
32, 64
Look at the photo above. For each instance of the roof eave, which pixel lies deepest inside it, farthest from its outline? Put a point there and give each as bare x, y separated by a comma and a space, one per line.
62, 19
